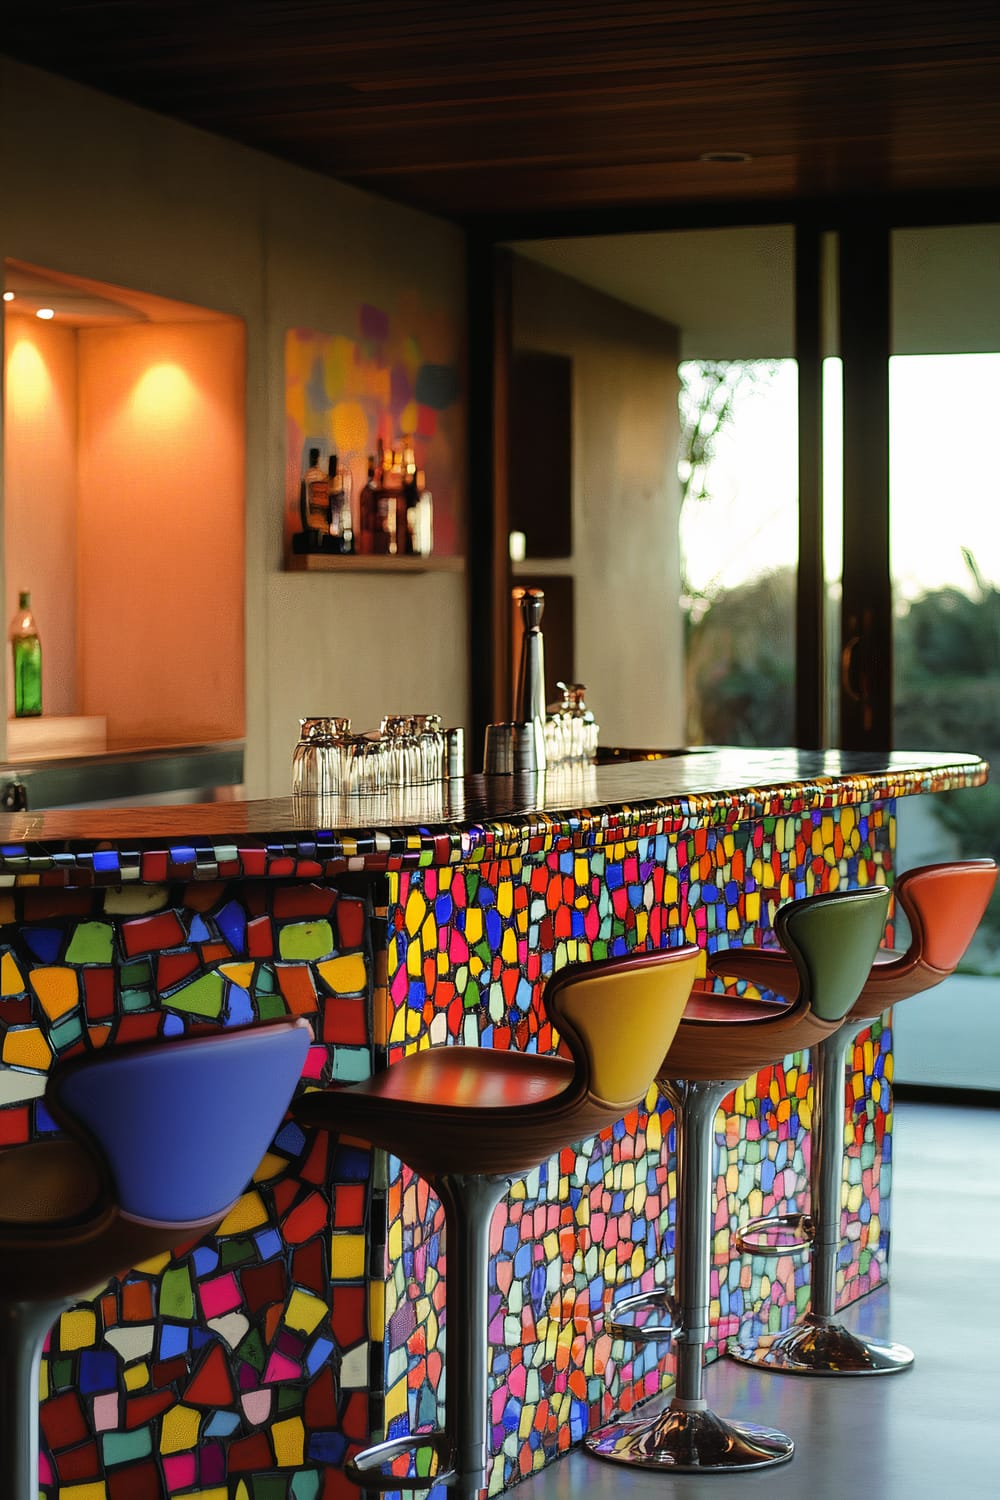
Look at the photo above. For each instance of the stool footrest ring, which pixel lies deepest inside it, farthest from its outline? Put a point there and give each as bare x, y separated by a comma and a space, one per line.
776, 1234
369, 1467
646, 1318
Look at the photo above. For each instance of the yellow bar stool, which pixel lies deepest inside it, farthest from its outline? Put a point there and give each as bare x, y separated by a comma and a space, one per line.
471, 1120
831, 941
944, 904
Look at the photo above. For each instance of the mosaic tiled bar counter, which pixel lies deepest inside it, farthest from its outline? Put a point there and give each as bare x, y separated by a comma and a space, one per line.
248, 1366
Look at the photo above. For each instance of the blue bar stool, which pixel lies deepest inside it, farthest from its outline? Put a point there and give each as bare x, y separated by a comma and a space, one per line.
471, 1120
160, 1143
943, 904
831, 941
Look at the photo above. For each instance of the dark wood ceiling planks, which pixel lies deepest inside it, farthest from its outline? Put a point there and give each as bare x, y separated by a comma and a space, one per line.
475, 107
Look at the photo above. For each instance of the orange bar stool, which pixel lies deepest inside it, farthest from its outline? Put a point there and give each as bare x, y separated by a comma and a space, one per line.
943, 904
471, 1120
150, 1159
831, 941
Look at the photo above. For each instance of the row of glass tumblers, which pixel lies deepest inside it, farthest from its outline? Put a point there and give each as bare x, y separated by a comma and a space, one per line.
407, 750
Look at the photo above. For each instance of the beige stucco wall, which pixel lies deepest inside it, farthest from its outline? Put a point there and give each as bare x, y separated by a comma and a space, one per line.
626, 500
101, 189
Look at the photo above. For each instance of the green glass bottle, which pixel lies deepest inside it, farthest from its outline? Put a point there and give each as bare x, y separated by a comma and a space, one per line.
27, 652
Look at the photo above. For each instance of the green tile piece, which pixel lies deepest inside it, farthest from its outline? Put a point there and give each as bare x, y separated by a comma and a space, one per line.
251, 1350
136, 973
290, 1397
266, 981
126, 1447
306, 940
65, 1034
176, 1294
306, 1485
270, 1007
237, 1252
91, 943
202, 997
61, 1373
136, 999
269, 1486
351, 1064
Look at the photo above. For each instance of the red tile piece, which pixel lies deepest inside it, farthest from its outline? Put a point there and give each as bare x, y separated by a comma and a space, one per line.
202, 895
62, 1421
314, 1167
309, 1267
38, 905
346, 1021
15, 1012
141, 1482
77, 1464
145, 934
321, 1402
139, 1409
166, 1371
137, 1302
99, 993
350, 922
305, 1220
253, 1452
350, 1205
298, 988
14, 1126
303, 901
211, 1384
260, 938
349, 1317
154, 866
171, 968
263, 1285
141, 1027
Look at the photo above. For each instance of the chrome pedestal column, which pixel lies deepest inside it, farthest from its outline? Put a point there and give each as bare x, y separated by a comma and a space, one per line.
816, 1343
458, 1455
687, 1436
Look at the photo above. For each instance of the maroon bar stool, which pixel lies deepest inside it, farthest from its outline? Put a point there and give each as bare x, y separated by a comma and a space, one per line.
471, 1120
943, 904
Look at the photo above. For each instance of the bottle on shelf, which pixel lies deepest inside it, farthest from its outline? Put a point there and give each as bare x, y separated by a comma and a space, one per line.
27, 652
314, 508
421, 517
341, 520
392, 503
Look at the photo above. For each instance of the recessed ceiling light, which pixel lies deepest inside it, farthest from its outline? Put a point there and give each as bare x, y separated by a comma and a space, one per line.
730, 156
45, 312
8, 296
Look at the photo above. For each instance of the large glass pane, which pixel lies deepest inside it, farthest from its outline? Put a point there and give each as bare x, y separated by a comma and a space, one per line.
944, 393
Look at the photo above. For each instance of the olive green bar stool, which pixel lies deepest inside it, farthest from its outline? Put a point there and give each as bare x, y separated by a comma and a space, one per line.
471, 1120
721, 1041
944, 904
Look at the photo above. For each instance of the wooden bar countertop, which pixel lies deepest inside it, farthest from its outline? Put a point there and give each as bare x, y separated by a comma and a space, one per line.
474, 819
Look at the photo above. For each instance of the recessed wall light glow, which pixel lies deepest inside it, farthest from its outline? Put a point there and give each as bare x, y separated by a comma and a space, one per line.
8, 296
46, 313
730, 156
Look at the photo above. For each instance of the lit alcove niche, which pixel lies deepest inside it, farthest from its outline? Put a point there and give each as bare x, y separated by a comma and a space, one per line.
124, 501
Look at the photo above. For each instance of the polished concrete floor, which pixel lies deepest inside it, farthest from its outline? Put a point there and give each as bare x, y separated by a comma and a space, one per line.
932, 1431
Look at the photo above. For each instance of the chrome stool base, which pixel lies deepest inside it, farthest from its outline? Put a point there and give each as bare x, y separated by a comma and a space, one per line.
820, 1346
690, 1442
372, 1468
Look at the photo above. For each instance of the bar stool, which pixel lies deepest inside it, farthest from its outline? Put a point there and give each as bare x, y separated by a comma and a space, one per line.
160, 1144
471, 1120
722, 1041
943, 904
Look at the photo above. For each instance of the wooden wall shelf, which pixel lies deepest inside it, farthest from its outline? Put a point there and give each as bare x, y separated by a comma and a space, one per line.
321, 562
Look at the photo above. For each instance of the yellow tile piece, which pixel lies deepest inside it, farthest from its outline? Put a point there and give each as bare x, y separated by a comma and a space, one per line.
347, 1256
376, 1311
97, 1490
241, 974
289, 1438
26, 1047
345, 975
77, 1329
248, 1213
304, 1311
57, 988
415, 909
270, 1165
396, 1401
179, 1431
11, 978
137, 1377
154, 1265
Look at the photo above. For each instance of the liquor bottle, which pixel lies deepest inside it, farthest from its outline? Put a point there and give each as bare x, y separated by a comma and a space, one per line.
392, 504
341, 522
27, 652
406, 514
368, 511
421, 517
317, 496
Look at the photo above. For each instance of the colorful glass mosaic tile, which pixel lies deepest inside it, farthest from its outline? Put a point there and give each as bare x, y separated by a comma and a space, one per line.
248, 1366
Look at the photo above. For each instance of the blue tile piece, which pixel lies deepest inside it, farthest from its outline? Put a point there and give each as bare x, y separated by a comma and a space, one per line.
173, 1340
318, 1355
222, 1424
44, 942
233, 925
205, 1260
268, 1243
